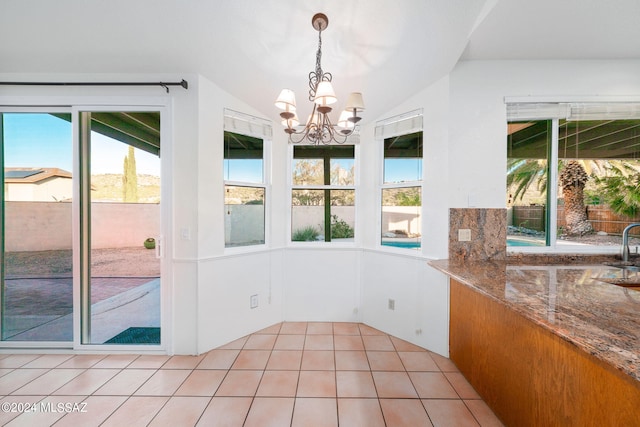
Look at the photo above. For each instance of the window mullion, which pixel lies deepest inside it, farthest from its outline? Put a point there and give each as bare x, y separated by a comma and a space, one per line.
552, 187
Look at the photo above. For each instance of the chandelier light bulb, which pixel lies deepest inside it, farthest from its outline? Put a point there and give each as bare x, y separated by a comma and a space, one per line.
319, 129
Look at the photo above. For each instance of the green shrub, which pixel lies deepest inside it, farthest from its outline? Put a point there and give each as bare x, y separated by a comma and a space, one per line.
340, 229
307, 234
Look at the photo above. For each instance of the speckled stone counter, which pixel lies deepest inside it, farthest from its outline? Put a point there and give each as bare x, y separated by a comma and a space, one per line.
601, 318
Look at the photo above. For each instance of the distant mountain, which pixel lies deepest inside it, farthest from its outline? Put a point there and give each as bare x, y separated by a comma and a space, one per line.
108, 188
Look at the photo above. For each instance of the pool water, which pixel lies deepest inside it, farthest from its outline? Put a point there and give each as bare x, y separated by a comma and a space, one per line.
517, 242
409, 245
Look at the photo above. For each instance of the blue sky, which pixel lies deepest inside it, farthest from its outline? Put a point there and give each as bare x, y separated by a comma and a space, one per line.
42, 140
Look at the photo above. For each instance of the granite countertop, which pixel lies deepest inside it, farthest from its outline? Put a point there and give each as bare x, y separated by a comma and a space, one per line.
601, 318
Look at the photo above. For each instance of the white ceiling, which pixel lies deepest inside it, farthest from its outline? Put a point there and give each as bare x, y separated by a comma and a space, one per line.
385, 49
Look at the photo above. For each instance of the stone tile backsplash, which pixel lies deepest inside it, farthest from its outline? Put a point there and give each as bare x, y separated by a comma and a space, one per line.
488, 234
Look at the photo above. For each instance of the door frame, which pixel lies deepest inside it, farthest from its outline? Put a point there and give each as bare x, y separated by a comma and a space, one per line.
75, 104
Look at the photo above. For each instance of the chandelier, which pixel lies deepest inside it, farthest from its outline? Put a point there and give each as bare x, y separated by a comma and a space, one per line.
319, 128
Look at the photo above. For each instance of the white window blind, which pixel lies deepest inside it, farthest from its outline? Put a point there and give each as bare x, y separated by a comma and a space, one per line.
573, 111
402, 124
246, 124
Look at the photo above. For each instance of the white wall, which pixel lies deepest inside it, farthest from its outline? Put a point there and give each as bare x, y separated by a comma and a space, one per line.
477, 143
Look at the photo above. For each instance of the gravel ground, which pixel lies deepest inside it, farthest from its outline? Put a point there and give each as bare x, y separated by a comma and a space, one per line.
121, 262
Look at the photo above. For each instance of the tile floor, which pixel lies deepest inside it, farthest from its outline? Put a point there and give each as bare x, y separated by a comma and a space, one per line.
290, 374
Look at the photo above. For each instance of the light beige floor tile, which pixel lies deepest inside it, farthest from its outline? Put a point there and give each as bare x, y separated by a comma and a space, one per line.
317, 384
278, 384
252, 359
445, 364
270, 412
404, 412
318, 342
87, 382
136, 411
82, 361
182, 362
432, 385
319, 328
419, 361
98, 409
240, 383
18, 378
235, 344
346, 329
48, 361
260, 342
5, 371
225, 412
351, 361
17, 360
377, 343
359, 413
17, 405
201, 382
126, 382
394, 385
219, 359
461, 385
296, 328
180, 411
348, 342
149, 362
49, 382
273, 329
289, 342
355, 384
402, 345
48, 412
315, 412
116, 361
482, 413
164, 382
449, 413
285, 360
318, 360
368, 330
384, 361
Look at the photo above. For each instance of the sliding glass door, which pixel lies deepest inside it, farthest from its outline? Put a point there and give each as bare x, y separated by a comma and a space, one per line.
80, 242
36, 251
120, 229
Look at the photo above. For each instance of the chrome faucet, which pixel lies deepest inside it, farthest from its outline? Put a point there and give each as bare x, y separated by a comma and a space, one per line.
625, 240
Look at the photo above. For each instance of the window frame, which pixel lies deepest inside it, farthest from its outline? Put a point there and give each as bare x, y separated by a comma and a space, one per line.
554, 109
403, 124
254, 127
354, 187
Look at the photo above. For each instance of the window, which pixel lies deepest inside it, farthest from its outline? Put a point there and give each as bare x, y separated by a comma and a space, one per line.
401, 187
244, 190
402, 191
572, 174
323, 193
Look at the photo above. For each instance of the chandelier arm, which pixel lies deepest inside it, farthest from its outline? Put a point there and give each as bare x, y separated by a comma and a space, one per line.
319, 129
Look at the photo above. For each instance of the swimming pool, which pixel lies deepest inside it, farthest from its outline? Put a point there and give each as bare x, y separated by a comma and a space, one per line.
519, 242
403, 244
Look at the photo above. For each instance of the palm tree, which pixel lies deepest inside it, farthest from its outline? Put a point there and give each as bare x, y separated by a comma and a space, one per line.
525, 172
573, 178
620, 188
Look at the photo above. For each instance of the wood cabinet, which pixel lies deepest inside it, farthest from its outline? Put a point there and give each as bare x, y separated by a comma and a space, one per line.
530, 376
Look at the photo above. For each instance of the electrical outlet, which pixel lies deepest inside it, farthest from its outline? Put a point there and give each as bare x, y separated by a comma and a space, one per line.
253, 301
392, 304
464, 235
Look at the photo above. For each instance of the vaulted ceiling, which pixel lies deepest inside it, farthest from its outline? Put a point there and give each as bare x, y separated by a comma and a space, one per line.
388, 50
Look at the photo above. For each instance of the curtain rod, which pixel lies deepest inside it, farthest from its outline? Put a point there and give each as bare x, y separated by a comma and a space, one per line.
165, 85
